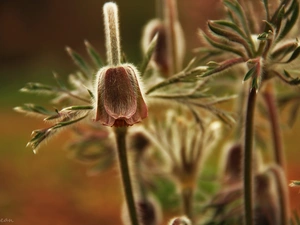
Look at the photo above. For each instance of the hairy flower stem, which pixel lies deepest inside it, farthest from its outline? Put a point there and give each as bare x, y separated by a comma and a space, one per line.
187, 196
269, 97
248, 158
112, 36
120, 133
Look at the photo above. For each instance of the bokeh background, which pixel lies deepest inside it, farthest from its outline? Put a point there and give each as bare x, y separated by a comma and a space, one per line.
49, 188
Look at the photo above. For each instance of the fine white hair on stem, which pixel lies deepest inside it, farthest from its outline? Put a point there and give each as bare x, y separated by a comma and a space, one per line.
112, 36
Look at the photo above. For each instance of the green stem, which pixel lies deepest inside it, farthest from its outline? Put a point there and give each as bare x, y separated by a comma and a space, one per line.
278, 149
171, 18
248, 158
187, 195
120, 133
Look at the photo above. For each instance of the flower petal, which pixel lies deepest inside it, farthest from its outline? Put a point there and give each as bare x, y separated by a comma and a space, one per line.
119, 94
102, 115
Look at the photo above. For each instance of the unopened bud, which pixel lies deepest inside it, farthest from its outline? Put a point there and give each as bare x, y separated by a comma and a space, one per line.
180, 221
139, 141
160, 54
149, 212
169, 52
232, 164
268, 210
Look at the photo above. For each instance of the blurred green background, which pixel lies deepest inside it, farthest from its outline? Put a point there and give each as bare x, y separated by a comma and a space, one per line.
49, 188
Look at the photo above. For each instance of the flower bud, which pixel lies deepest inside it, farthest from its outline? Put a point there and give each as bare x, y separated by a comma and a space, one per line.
160, 54
232, 164
149, 211
118, 99
268, 210
139, 142
169, 52
180, 221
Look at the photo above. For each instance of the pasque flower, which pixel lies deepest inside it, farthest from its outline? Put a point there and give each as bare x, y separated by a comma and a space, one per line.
119, 100
169, 51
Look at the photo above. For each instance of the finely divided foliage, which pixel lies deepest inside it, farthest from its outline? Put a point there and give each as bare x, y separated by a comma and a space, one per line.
249, 60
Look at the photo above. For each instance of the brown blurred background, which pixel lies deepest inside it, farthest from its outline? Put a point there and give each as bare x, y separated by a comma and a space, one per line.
49, 188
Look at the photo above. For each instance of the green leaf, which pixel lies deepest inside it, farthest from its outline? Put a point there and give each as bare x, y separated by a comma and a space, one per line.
269, 25
263, 36
237, 10
227, 34
224, 117
78, 60
38, 87
249, 73
291, 6
91, 94
277, 16
64, 114
68, 122
94, 55
223, 99
78, 107
290, 22
230, 25
212, 64
53, 117
223, 66
255, 83
32, 108
294, 55
221, 46
40, 135
295, 81
148, 55
295, 183
283, 50
287, 74
58, 81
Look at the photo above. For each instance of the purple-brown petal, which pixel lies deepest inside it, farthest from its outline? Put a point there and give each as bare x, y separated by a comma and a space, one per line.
160, 55
119, 96
101, 114
142, 109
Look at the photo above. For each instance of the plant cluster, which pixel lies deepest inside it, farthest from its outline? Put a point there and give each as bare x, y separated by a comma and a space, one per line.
170, 115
